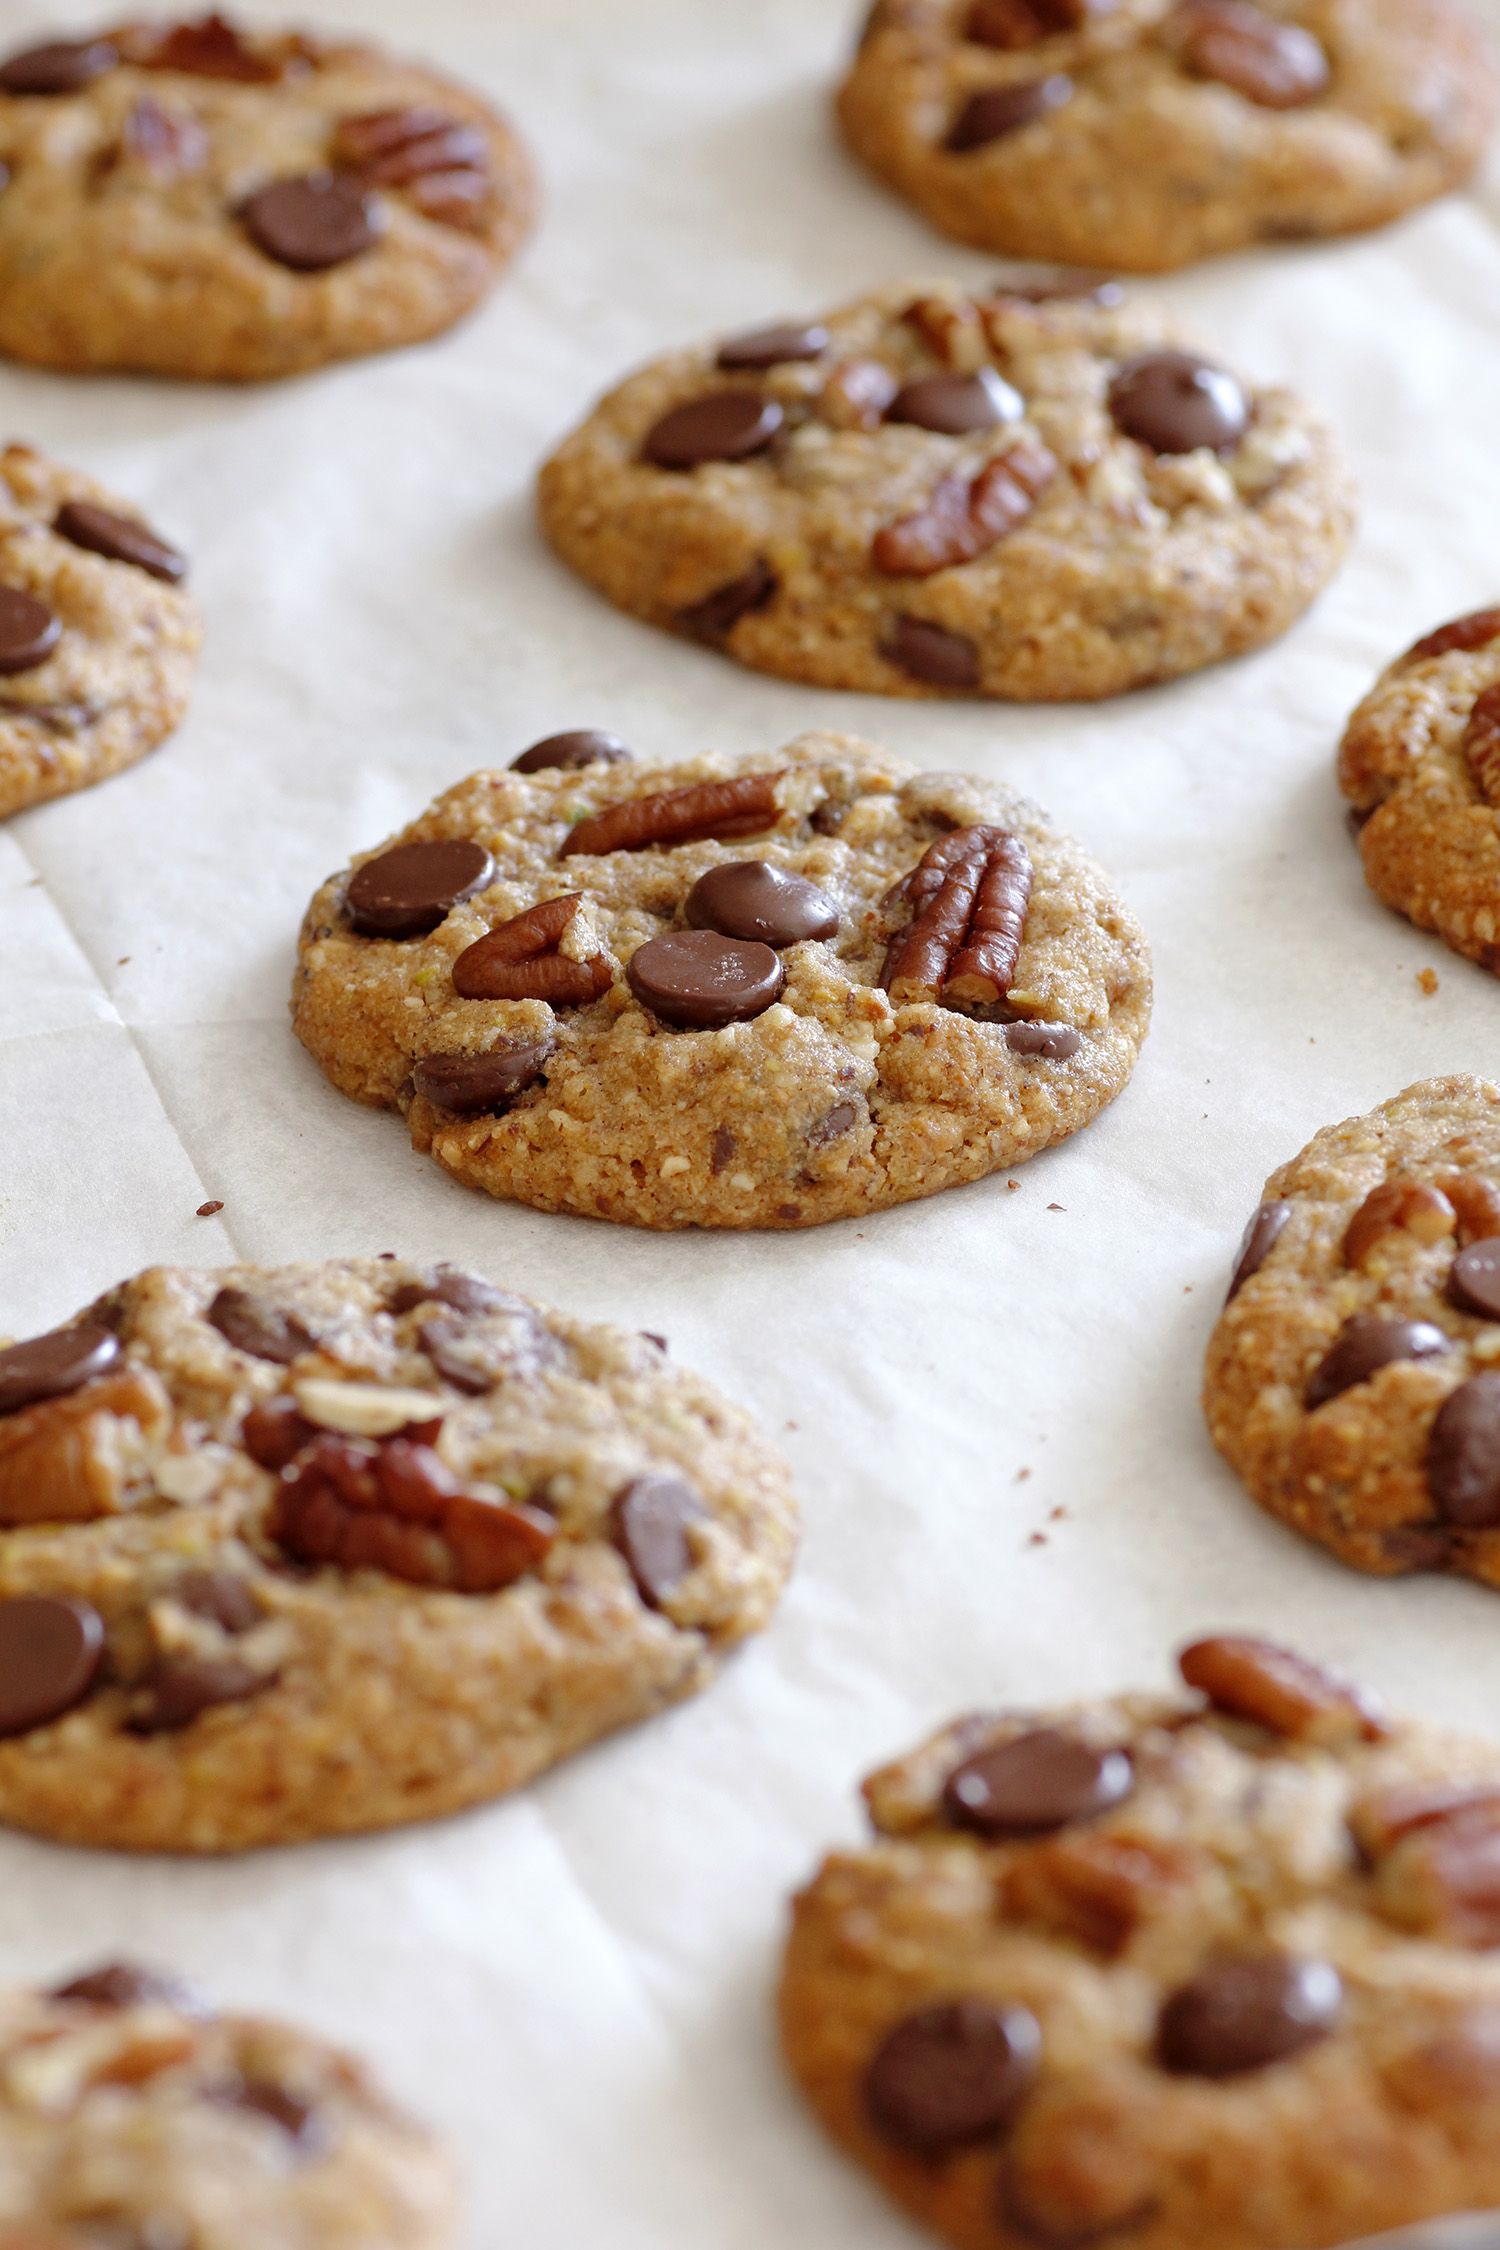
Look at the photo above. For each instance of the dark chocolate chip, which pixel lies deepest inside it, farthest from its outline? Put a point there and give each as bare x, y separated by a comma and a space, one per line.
52, 1365
700, 981
412, 888
29, 630
718, 613
50, 1652
748, 899
124, 1984
62, 66
1463, 1455
181, 1688
951, 2075
841, 1119
119, 539
1034, 1783
649, 1523
274, 1433
931, 653
222, 1596
309, 224
1095, 289
956, 404
450, 1285
772, 347
997, 111
1245, 2012
442, 1340
719, 426
254, 1325
473, 1084
568, 753
1474, 1280
297, 2118
1363, 1346
1174, 402
722, 1149
1053, 1042
1259, 1239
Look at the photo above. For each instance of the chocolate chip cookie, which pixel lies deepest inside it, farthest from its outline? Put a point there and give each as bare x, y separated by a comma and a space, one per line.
1041, 496
1420, 764
758, 993
97, 633
1142, 134
133, 2115
292, 1553
1354, 1376
1166, 1971
193, 199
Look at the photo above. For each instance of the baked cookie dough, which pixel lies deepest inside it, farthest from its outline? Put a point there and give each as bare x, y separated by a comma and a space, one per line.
133, 2115
1165, 1972
757, 993
1041, 496
1353, 1379
290, 1553
97, 636
193, 199
1420, 764
1142, 134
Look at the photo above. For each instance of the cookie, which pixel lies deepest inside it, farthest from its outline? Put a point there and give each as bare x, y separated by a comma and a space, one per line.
135, 2115
97, 635
1165, 1971
757, 993
195, 200
1142, 134
1420, 764
932, 493
298, 1552
1353, 1379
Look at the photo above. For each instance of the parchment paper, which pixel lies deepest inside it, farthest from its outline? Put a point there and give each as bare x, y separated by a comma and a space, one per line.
576, 1984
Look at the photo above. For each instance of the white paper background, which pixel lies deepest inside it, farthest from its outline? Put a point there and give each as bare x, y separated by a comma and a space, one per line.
576, 1984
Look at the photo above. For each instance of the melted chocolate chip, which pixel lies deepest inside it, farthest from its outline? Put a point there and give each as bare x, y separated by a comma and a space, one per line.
50, 1652
119, 539
700, 981
222, 1596
312, 223
649, 1523
1463, 1455
1075, 288
997, 111
719, 426
471, 1085
721, 611
568, 753
1363, 1346
1244, 2013
413, 887
1257, 1242
1474, 1281
1173, 402
181, 1688
61, 66
749, 899
1034, 1783
463, 1292
931, 653
124, 1984
256, 1326
52, 1365
772, 347
956, 404
29, 631
951, 2075
1050, 1042
443, 1342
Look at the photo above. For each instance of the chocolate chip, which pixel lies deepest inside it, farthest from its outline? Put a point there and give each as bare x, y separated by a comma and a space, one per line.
772, 347
841, 1119
721, 611
412, 888
442, 1340
997, 111
473, 1084
1174, 402
722, 1149
50, 1652
222, 1596
931, 653
1474, 1281
649, 1523
1257, 1242
119, 539
1095, 289
1243, 2013
29, 631
1277, 65
1363, 1346
52, 1365
62, 66
181, 1688
1053, 1042
309, 224
274, 1433
956, 404
748, 899
1036, 1782
1463, 1455
719, 426
568, 753
450, 1285
254, 1325
297, 2118
123, 1984
952, 2074
700, 981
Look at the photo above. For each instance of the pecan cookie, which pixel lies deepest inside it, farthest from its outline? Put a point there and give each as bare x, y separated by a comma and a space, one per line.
758, 993
1143, 134
191, 199
930, 493
97, 636
1420, 763
1166, 1971
1353, 1379
292, 1553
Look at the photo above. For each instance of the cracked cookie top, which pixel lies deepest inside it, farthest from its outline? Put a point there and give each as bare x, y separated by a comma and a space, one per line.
759, 992
1034, 491
1148, 1970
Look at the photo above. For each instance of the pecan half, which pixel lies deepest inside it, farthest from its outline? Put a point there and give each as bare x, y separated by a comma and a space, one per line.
398, 1509
1274, 1688
519, 960
68, 1460
968, 894
164, 140
443, 164
1477, 1202
1444, 1879
856, 394
953, 329
741, 807
1476, 630
965, 516
1398, 1206
1380, 1822
1096, 1887
1481, 744
211, 47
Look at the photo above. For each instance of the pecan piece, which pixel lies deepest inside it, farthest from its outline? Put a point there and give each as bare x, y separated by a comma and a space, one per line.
453, 199
519, 960
398, 1509
393, 147
1398, 1206
969, 894
68, 1460
1477, 1202
1094, 1886
953, 330
1444, 1879
1010, 24
965, 516
1381, 1822
1276, 1689
1481, 744
212, 47
1476, 630
741, 807
164, 140
856, 394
